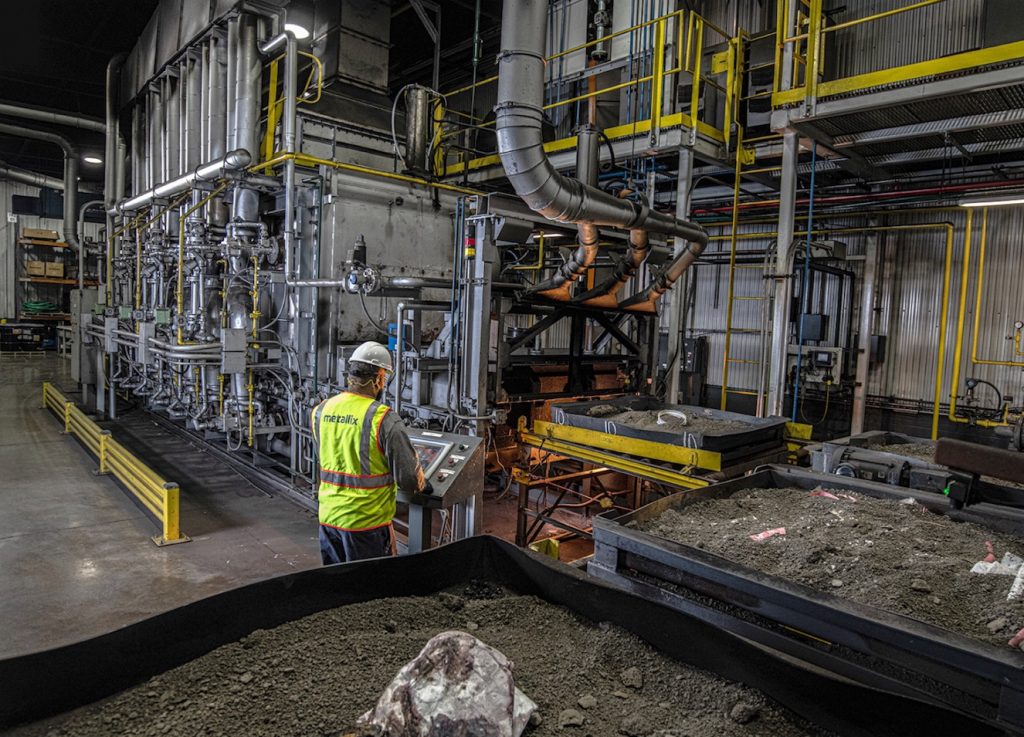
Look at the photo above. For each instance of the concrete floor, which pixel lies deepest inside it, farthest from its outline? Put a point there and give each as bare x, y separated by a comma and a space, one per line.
76, 558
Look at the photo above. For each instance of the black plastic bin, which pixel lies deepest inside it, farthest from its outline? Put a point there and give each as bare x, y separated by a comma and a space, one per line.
864, 643
46, 683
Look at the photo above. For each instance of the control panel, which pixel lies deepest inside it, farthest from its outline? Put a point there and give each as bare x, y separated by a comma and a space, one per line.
820, 364
453, 464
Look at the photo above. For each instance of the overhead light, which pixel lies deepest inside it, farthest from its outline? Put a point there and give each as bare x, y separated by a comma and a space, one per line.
1011, 199
92, 159
300, 32
546, 236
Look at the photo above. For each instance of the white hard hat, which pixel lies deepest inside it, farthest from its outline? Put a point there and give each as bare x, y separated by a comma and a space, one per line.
373, 354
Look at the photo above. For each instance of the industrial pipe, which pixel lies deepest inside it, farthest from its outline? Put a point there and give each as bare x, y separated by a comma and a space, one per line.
400, 311
558, 285
51, 117
70, 174
113, 164
219, 168
604, 295
519, 112
30, 177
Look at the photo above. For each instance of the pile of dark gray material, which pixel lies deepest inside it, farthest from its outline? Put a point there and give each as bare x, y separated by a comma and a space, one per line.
648, 420
897, 556
317, 675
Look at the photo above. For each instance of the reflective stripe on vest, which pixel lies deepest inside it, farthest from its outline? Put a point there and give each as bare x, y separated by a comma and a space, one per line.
357, 490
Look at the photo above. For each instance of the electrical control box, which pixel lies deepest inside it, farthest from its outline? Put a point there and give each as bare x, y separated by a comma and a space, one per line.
820, 364
695, 355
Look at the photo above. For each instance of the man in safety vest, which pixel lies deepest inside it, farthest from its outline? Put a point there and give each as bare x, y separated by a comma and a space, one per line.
365, 457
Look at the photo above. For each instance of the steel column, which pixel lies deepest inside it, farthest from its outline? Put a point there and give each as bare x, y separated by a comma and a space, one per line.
783, 269
676, 309
867, 320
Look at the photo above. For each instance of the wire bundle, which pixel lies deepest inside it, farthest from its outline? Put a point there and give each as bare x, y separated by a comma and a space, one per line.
38, 307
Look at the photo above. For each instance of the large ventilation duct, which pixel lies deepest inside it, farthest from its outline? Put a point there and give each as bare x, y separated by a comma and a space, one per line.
70, 174
558, 286
29, 177
519, 111
52, 117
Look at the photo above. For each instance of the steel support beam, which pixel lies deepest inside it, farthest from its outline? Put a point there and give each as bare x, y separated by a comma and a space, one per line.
867, 322
676, 315
783, 272
930, 128
961, 85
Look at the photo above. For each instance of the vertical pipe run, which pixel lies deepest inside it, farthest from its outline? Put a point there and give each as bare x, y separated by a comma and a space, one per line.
417, 129
867, 314
676, 310
247, 71
805, 298
783, 267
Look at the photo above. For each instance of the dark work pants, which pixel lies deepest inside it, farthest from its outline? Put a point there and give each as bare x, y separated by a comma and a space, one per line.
342, 546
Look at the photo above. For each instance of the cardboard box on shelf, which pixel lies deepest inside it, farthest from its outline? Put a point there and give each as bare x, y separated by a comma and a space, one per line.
35, 268
55, 269
41, 234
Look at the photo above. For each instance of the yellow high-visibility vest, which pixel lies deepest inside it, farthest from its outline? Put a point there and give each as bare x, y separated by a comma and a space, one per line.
357, 490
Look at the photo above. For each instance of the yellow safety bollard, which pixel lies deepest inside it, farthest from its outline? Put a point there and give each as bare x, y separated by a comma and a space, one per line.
171, 533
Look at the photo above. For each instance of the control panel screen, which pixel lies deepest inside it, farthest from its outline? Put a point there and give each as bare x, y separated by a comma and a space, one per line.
427, 454
430, 453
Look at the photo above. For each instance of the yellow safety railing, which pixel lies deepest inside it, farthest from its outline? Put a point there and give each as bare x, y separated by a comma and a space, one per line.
158, 496
803, 39
690, 49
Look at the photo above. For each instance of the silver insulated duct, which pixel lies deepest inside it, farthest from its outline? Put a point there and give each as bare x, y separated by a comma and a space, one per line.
519, 111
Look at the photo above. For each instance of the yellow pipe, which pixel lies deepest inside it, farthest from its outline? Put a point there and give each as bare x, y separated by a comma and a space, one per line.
268, 139
110, 255
698, 56
180, 288
977, 305
250, 388
943, 318
305, 160
658, 93
962, 309
255, 294
540, 258
220, 392
732, 270
945, 294
588, 44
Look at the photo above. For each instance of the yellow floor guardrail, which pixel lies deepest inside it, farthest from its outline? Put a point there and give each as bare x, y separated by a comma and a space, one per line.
158, 496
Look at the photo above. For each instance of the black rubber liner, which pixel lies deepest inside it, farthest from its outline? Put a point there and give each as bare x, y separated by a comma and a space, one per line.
49, 682
861, 641
763, 430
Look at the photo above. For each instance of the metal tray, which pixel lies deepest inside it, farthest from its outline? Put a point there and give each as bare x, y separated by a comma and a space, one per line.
854, 639
46, 683
763, 430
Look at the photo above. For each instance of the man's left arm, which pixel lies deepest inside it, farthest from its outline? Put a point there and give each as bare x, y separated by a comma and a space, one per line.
402, 458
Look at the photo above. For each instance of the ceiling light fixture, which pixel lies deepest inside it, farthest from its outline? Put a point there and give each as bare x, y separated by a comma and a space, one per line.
300, 32
92, 159
988, 201
547, 236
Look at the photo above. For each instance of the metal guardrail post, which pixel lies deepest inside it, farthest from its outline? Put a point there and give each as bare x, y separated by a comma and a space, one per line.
104, 467
159, 497
171, 532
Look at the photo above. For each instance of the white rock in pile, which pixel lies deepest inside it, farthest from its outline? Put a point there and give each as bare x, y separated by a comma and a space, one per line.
456, 685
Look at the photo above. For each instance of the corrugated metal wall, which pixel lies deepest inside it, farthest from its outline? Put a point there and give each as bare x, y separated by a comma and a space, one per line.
11, 257
906, 38
908, 307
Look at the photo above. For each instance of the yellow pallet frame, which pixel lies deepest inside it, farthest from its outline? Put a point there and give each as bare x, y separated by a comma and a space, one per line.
159, 497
